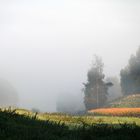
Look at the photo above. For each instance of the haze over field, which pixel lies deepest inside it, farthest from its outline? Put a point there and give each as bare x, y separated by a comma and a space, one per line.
46, 46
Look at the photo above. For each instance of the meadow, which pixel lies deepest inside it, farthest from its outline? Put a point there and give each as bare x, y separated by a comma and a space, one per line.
22, 124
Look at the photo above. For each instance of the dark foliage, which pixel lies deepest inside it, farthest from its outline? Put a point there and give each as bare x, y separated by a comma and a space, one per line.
20, 127
130, 75
96, 89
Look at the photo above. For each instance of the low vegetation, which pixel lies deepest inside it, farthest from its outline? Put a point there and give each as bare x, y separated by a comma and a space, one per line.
25, 125
130, 112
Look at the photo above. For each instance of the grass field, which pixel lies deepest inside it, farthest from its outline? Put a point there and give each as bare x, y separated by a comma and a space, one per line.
22, 124
80, 120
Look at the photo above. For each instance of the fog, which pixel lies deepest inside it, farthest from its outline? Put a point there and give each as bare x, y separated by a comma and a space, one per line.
47, 46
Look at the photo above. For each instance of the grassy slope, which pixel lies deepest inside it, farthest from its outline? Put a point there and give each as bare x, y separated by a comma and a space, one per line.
127, 101
29, 127
79, 120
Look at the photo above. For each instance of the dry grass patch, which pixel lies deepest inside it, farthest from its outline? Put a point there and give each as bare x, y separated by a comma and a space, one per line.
135, 112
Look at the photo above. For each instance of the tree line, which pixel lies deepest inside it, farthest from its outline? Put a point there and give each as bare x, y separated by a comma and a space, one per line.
96, 89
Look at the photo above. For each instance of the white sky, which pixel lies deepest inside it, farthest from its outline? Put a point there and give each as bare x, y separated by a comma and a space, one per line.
46, 46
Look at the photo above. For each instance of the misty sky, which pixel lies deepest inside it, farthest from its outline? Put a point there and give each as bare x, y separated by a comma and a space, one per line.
46, 46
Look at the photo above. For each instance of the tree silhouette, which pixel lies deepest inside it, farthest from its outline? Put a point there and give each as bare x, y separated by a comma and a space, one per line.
130, 75
95, 89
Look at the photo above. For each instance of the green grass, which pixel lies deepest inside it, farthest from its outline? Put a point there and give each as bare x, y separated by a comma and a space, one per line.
25, 125
76, 120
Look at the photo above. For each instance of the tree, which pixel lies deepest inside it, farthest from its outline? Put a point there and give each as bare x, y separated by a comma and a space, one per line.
95, 89
130, 75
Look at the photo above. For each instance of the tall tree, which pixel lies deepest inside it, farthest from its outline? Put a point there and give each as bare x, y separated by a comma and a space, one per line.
95, 89
130, 75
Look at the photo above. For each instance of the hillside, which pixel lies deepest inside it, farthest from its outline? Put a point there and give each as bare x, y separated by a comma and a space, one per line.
126, 102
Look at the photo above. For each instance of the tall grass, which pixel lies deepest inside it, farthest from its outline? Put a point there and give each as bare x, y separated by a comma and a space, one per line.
23, 127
